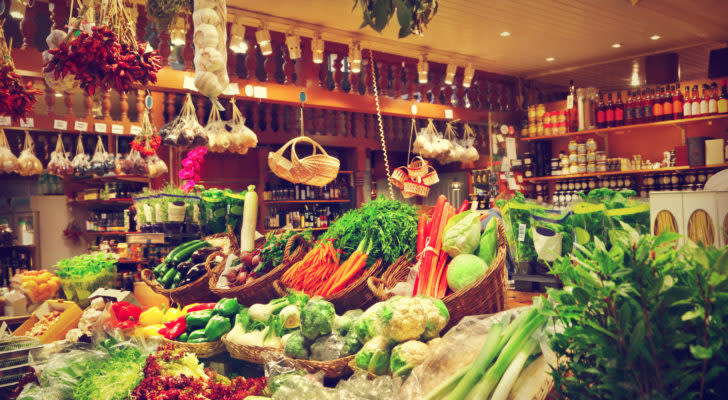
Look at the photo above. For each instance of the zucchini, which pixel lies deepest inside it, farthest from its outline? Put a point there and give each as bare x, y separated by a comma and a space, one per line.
179, 248
177, 278
166, 280
185, 253
160, 270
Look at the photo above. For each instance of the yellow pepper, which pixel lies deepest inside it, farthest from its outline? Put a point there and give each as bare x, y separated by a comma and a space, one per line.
148, 331
152, 316
172, 314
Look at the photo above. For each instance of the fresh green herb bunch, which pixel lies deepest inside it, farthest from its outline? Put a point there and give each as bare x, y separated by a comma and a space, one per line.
391, 225
412, 15
644, 320
271, 255
165, 11
85, 264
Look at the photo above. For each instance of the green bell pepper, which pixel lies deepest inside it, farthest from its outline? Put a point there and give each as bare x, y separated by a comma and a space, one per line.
217, 326
197, 319
183, 337
226, 307
198, 334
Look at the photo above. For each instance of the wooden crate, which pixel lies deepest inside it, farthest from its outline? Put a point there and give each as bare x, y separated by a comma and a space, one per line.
70, 315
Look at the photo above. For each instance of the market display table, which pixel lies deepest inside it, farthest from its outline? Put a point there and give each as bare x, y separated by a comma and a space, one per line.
515, 298
14, 321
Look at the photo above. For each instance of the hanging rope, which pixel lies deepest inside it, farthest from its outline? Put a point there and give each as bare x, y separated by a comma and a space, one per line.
381, 124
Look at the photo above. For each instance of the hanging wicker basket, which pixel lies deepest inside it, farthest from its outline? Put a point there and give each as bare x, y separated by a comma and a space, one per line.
415, 188
418, 167
431, 176
318, 169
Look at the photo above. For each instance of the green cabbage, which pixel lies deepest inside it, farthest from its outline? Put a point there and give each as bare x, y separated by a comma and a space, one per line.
462, 234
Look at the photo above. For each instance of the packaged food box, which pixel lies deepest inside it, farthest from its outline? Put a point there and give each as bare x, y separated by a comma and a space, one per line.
67, 319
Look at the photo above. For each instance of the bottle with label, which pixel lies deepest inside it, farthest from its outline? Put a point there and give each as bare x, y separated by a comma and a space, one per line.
687, 104
656, 105
667, 113
609, 111
572, 110
723, 99
695, 102
638, 111
628, 110
619, 111
647, 106
704, 100
677, 102
601, 113
713, 99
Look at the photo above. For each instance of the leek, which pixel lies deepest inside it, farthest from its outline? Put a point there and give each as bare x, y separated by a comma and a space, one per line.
448, 385
512, 372
477, 368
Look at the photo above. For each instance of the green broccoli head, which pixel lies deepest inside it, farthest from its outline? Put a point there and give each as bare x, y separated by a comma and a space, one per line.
317, 318
297, 346
403, 318
369, 324
351, 343
406, 356
436, 316
374, 356
342, 324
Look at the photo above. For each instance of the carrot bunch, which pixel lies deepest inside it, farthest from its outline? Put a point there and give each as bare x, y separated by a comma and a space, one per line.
431, 279
349, 271
310, 274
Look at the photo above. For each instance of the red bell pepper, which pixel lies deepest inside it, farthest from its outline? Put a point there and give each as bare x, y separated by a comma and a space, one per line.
173, 329
203, 306
126, 314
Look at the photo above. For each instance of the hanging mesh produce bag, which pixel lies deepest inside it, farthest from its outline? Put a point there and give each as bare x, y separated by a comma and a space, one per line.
8, 161
81, 162
60, 164
28, 163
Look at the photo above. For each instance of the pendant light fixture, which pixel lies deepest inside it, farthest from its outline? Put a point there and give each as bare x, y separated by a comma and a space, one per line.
422, 69
293, 42
450, 73
468, 75
355, 57
317, 48
177, 36
17, 9
262, 35
238, 44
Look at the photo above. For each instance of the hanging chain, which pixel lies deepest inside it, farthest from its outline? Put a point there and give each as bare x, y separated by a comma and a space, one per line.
381, 125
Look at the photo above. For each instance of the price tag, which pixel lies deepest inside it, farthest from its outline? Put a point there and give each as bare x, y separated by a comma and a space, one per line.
5, 121
117, 129
80, 126
512, 185
570, 102
521, 232
500, 138
135, 130
189, 83
448, 114
260, 92
511, 148
60, 124
232, 89
27, 123
100, 127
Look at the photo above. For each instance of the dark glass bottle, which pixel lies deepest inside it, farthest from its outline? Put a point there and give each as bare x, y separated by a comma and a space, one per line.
677, 103
667, 113
619, 111
609, 111
601, 113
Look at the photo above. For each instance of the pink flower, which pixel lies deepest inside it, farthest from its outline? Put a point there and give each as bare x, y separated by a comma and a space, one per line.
185, 174
188, 186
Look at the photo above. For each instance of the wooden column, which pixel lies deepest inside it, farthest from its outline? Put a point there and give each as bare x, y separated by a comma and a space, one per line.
361, 156
106, 105
164, 49
188, 52
59, 16
140, 104
124, 106
27, 25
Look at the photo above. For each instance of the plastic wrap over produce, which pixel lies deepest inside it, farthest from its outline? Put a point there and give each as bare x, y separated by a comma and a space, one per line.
458, 349
210, 40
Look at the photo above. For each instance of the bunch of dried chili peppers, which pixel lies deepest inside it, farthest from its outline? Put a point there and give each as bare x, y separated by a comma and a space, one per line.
16, 98
98, 60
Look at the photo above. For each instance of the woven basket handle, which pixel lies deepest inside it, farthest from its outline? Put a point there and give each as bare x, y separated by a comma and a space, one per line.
280, 289
215, 271
294, 156
148, 278
292, 241
285, 146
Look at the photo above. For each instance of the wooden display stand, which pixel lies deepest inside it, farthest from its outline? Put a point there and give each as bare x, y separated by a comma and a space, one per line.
70, 315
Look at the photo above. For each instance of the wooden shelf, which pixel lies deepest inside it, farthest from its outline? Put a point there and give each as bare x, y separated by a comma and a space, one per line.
678, 122
111, 178
299, 229
131, 261
636, 172
340, 171
306, 201
108, 233
102, 203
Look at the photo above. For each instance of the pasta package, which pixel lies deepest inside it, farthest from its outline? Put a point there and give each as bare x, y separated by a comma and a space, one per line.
210, 38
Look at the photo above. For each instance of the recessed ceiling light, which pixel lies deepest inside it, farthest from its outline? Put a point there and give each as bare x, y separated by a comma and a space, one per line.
617, 45
655, 37
549, 59
505, 34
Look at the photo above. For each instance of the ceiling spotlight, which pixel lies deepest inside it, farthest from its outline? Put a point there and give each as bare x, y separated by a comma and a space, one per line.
238, 45
262, 35
549, 59
655, 37
505, 34
355, 57
317, 48
468, 75
422, 69
617, 45
17, 9
450, 73
293, 42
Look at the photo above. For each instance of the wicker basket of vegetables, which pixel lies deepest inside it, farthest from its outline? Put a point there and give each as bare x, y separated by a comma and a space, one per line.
183, 275
485, 295
358, 245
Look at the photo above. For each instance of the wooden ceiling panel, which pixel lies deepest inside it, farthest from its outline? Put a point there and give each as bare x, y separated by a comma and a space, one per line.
573, 32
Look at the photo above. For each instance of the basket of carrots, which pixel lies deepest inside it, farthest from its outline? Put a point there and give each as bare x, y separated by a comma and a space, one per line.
485, 294
360, 244
260, 269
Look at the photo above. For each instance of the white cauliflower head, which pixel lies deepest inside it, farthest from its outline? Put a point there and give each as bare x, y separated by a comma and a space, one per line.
403, 318
436, 316
406, 356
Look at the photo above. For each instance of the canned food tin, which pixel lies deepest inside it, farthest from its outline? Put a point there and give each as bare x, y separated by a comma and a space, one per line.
540, 110
581, 148
591, 167
601, 156
547, 130
601, 167
591, 145
562, 116
532, 130
546, 118
574, 169
581, 158
561, 126
573, 158
591, 156
581, 169
572, 146
539, 129
532, 114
